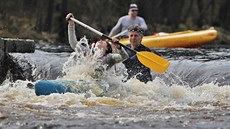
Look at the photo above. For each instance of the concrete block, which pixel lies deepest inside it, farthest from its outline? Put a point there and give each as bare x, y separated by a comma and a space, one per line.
2, 44
3, 65
17, 45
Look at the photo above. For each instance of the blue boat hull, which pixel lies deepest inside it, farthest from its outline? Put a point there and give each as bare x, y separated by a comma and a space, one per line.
47, 87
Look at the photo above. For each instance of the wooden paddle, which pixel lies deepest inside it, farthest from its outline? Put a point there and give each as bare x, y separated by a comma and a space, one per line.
148, 59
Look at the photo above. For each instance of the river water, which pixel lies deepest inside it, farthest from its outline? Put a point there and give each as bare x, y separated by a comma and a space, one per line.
193, 93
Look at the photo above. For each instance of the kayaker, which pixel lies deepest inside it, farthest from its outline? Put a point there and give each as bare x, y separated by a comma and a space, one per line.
133, 65
128, 20
110, 53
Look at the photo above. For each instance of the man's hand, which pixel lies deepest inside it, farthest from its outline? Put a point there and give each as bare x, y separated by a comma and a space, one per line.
114, 43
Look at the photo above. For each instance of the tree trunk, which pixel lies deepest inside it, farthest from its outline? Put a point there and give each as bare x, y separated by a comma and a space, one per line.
49, 17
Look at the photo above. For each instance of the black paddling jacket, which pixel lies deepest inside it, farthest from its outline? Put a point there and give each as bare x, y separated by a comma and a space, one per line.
135, 68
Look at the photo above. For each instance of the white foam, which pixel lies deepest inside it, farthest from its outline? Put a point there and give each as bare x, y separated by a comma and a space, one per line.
133, 92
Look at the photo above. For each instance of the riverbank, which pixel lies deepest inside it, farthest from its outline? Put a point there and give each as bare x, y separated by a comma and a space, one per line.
25, 28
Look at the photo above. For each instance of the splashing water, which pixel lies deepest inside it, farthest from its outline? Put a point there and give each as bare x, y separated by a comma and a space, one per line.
109, 84
168, 98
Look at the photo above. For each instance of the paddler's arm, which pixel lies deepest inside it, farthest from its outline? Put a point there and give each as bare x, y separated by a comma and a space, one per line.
114, 58
71, 31
143, 24
123, 54
119, 54
118, 49
116, 28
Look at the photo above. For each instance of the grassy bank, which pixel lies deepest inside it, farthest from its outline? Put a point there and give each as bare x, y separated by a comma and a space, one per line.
25, 28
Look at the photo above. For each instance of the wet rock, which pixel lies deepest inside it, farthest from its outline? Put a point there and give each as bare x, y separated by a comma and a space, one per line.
19, 69
13, 69
4, 62
30, 86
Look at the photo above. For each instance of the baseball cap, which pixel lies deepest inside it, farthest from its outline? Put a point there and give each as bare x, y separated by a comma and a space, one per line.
133, 6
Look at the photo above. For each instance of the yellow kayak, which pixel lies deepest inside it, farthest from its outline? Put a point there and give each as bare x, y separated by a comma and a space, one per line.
186, 39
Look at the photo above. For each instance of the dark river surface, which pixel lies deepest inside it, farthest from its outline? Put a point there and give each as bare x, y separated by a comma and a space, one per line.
193, 93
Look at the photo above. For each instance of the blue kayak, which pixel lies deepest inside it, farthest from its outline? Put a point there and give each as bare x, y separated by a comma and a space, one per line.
47, 87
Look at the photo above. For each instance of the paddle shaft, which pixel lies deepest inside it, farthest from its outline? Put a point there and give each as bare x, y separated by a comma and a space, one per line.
99, 33
120, 34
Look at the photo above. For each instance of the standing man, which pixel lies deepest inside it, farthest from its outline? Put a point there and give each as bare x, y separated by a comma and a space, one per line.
128, 20
132, 64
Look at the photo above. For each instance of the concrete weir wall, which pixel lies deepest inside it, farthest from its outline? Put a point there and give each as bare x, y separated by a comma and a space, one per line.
17, 45
3, 65
8, 45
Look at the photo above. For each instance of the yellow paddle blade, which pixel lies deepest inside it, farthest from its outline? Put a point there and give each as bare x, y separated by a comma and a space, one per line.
153, 61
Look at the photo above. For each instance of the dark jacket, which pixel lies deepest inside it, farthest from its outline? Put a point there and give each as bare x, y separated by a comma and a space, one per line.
135, 68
